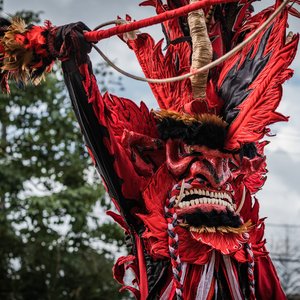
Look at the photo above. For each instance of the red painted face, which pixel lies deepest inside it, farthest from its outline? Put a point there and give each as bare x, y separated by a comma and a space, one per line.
211, 197
211, 191
206, 195
198, 162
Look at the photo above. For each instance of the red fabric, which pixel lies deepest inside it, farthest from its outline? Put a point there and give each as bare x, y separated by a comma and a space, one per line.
117, 115
119, 219
96, 36
133, 290
171, 26
143, 279
267, 283
157, 64
211, 292
120, 267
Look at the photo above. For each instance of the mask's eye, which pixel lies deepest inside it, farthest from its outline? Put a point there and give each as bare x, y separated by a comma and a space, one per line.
249, 151
188, 149
191, 150
233, 164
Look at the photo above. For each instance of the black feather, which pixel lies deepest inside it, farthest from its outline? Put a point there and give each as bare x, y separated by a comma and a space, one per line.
235, 87
207, 134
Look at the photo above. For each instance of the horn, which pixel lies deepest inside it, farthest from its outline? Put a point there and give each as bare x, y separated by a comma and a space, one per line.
202, 51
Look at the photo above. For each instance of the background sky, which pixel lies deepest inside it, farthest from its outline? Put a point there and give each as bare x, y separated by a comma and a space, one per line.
280, 197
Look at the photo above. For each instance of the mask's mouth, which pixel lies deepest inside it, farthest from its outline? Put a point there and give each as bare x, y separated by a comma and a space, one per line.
202, 209
195, 197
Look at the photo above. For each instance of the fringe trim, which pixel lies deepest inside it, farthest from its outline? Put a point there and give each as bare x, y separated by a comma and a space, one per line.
189, 119
222, 229
206, 278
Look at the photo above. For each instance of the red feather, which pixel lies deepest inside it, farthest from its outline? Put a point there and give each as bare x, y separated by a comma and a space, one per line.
155, 64
118, 116
257, 111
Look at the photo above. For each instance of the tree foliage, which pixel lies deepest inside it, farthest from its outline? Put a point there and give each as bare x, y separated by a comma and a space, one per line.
53, 244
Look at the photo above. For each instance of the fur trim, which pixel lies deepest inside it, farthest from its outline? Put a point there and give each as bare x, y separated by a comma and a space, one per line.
204, 129
213, 218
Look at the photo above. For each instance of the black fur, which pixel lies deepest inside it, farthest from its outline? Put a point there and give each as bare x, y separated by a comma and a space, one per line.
248, 150
213, 218
207, 134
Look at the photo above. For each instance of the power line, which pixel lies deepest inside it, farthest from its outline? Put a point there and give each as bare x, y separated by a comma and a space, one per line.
282, 259
283, 225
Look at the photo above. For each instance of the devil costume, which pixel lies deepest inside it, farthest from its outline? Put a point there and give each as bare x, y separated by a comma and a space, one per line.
183, 178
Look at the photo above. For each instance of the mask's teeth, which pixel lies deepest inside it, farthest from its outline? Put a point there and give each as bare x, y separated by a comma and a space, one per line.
205, 200
207, 197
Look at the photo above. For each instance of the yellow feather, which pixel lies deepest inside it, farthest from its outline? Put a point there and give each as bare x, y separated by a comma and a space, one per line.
17, 60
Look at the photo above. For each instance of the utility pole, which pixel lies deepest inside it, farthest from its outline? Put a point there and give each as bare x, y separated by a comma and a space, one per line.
1, 7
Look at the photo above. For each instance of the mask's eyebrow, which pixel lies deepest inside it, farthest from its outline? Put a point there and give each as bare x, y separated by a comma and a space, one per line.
192, 149
207, 130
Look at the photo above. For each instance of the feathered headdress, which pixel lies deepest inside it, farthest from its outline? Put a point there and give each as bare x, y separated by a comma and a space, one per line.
235, 100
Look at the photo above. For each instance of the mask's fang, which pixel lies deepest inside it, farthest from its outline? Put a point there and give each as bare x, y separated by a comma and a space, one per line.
242, 201
181, 192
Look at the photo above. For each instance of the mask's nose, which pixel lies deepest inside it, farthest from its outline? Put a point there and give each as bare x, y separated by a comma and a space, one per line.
177, 164
213, 169
210, 165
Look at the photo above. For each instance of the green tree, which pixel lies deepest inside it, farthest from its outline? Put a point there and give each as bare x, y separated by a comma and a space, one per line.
53, 244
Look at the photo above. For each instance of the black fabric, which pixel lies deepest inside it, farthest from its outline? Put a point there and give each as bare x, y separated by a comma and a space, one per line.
157, 273
243, 279
94, 133
207, 134
222, 283
226, 15
70, 42
71, 37
223, 291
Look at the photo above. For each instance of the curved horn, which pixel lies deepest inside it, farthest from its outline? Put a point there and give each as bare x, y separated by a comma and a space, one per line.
202, 51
